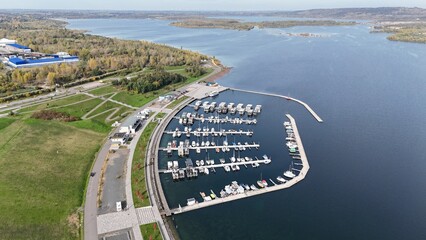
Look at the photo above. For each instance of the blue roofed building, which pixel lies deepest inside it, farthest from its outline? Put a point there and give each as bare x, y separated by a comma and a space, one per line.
18, 62
14, 47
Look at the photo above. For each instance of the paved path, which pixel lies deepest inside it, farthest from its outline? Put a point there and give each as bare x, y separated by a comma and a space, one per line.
145, 215
90, 206
112, 222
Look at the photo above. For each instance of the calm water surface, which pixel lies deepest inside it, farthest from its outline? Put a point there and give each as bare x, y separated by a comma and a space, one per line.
368, 158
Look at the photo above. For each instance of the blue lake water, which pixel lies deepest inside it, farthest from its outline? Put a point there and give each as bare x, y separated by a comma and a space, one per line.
368, 158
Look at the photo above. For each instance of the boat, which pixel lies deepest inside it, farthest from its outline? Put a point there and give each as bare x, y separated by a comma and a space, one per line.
289, 173
253, 187
206, 171
191, 201
198, 150
202, 162
203, 195
246, 187
169, 164
260, 184
227, 168
212, 195
237, 167
281, 179
213, 93
265, 183
234, 167
197, 162
222, 160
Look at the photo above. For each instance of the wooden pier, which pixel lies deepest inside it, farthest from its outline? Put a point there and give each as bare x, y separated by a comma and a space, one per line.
303, 172
314, 114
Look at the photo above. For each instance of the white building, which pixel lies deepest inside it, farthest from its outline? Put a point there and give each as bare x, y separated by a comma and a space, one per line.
5, 41
120, 138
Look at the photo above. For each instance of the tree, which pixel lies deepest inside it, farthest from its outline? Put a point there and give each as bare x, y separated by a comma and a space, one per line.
51, 76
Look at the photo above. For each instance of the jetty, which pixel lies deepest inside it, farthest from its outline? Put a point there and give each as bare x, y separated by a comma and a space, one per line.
232, 146
209, 132
310, 110
249, 193
265, 161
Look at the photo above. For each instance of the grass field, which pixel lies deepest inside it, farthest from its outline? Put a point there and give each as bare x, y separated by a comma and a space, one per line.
177, 102
151, 232
4, 122
103, 90
44, 166
56, 103
140, 195
134, 99
78, 110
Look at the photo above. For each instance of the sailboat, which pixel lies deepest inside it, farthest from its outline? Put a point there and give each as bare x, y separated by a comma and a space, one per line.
289, 173
260, 182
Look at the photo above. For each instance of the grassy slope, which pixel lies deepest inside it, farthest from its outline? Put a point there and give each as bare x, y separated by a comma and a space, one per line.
151, 231
44, 165
140, 195
177, 102
4, 122
56, 103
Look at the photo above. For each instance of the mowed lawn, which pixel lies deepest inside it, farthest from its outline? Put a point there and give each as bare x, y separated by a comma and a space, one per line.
44, 166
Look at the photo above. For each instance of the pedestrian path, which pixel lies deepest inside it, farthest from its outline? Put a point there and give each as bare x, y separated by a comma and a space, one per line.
145, 215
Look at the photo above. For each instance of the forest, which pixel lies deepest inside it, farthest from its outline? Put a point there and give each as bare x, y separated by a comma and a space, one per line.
98, 55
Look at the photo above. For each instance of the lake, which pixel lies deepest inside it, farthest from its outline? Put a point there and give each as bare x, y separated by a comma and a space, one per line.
368, 158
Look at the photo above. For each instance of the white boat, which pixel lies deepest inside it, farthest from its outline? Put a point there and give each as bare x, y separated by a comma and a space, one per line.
227, 168
234, 167
222, 160
206, 171
193, 143
232, 159
253, 187
191, 201
197, 162
237, 167
198, 150
289, 173
213, 93
281, 179
169, 164
207, 143
202, 162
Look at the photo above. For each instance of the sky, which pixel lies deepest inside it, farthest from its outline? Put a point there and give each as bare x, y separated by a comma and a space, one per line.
230, 5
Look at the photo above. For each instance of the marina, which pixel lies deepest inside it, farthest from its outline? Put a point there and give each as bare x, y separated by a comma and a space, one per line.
236, 191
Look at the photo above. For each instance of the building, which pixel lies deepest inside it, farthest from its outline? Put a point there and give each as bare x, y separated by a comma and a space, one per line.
120, 138
5, 41
17, 48
18, 62
132, 128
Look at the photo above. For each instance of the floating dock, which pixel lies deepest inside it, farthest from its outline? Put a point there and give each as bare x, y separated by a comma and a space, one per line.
265, 161
214, 133
233, 146
303, 172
